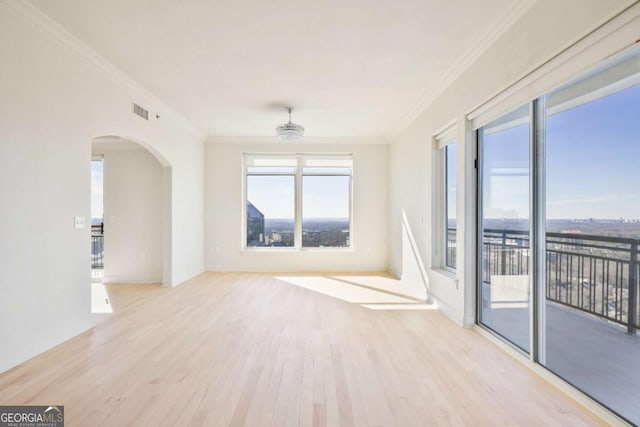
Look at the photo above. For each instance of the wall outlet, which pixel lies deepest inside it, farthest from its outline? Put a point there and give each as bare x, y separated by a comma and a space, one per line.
78, 222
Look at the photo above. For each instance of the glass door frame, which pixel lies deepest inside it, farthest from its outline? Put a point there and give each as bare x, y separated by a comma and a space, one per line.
537, 245
537, 233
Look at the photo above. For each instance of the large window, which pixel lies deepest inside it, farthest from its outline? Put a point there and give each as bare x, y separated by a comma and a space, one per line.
298, 201
559, 231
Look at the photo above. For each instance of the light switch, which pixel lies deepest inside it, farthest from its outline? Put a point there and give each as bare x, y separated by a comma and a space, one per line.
78, 221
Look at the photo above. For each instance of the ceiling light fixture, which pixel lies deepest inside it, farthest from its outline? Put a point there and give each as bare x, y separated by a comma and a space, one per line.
290, 132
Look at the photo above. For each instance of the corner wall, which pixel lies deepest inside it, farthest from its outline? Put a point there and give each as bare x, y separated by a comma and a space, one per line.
223, 210
57, 97
546, 29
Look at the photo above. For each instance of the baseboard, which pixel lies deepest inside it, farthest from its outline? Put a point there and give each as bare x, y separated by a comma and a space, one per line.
132, 279
394, 272
447, 310
178, 283
245, 269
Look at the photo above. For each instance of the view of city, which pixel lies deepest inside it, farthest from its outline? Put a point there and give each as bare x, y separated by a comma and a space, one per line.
316, 232
587, 261
620, 227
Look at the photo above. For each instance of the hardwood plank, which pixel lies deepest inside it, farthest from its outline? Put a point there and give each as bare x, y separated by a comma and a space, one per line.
258, 350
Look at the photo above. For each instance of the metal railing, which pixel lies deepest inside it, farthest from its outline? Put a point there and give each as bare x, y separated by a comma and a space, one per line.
97, 246
599, 275
451, 258
595, 274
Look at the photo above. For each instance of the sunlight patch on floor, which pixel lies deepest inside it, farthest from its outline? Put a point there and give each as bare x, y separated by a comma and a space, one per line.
372, 292
99, 299
414, 306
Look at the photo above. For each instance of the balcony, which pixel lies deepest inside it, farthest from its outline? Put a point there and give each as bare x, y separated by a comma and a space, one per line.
97, 250
591, 310
594, 274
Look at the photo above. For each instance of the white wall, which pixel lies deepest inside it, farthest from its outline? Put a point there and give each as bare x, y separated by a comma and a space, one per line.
55, 98
133, 220
546, 29
223, 210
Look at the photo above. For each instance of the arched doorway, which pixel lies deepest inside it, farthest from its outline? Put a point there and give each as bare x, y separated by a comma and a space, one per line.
131, 240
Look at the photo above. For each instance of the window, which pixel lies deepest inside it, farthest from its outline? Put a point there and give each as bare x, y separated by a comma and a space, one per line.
451, 157
270, 223
445, 180
298, 201
325, 210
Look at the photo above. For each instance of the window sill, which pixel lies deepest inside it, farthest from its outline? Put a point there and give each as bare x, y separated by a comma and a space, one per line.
448, 274
289, 251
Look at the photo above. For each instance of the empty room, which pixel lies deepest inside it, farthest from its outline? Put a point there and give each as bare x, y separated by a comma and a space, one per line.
335, 213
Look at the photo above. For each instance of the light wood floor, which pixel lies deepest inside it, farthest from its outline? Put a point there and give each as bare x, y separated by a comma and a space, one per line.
250, 349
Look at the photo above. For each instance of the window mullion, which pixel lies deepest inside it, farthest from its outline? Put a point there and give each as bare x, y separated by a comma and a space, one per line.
445, 200
537, 240
298, 210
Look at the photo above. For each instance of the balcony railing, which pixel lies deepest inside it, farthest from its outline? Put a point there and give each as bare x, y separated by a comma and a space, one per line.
451, 258
595, 274
97, 246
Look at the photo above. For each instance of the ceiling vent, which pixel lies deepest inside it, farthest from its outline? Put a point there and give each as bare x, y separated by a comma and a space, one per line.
139, 111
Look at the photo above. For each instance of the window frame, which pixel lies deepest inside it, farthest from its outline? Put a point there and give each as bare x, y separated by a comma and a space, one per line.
298, 172
443, 139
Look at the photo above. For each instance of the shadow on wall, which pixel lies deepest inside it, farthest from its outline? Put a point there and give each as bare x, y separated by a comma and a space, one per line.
414, 274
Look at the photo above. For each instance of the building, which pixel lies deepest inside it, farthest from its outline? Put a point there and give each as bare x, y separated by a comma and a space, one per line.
412, 112
255, 226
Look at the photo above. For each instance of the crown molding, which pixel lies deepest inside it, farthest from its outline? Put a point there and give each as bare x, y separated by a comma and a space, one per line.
45, 23
308, 140
464, 61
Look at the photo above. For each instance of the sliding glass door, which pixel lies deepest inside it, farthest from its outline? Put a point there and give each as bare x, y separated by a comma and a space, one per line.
593, 233
504, 222
582, 162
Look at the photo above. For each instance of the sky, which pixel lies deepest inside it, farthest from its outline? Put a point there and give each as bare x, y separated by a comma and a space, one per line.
322, 197
592, 163
96, 189
452, 160
506, 173
593, 159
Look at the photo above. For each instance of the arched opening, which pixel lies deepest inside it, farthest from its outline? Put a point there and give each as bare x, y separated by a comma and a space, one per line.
131, 226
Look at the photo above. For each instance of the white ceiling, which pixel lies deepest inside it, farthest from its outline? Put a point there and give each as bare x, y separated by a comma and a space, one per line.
351, 68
